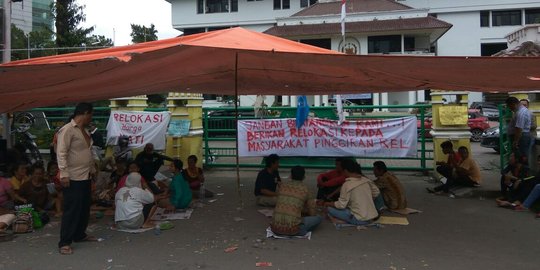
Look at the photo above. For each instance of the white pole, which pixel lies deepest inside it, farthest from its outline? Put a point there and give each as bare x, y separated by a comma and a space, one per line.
6, 57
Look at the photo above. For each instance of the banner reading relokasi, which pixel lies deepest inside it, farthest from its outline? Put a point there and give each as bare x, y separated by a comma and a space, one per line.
321, 137
140, 127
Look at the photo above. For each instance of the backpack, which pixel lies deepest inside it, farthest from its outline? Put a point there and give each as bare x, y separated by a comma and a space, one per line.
23, 223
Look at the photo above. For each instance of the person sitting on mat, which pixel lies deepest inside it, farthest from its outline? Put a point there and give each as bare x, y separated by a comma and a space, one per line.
329, 183
195, 177
267, 182
293, 199
356, 200
179, 192
390, 187
130, 201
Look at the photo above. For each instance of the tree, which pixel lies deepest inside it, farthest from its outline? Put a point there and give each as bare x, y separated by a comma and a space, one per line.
68, 15
141, 33
40, 39
18, 43
99, 41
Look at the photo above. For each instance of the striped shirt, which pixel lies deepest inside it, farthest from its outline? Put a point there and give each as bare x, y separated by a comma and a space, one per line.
293, 198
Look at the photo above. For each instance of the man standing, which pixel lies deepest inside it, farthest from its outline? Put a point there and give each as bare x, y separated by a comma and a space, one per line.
521, 129
267, 182
532, 147
76, 165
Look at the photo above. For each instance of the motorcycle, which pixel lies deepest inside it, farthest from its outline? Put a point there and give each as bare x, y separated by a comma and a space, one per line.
20, 127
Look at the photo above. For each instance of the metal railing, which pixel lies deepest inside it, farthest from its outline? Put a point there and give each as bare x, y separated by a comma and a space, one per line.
220, 135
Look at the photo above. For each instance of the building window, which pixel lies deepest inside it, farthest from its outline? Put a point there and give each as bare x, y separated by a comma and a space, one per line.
409, 43
324, 43
282, 4
489, 49
506, 17
217, 6
307, 3
384, 44
532, 16
484, 18
191, 31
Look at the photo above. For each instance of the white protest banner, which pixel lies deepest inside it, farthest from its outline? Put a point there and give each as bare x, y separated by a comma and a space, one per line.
321, 137
140, 127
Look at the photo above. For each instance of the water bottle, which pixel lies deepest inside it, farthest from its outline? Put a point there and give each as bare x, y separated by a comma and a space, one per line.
201, 193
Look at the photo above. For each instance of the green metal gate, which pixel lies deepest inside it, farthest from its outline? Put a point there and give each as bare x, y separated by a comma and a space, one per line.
505, 143
220, 136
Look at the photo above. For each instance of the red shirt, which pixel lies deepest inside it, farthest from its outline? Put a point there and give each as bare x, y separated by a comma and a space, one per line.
453, 159
334, 178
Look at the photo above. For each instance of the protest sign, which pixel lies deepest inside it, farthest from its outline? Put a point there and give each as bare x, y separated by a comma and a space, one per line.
140, 127
321, 137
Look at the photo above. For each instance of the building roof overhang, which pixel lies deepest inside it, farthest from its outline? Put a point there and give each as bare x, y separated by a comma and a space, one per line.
435, 27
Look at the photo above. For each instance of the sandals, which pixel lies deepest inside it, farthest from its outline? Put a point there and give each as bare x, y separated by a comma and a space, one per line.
88, 238
65, 250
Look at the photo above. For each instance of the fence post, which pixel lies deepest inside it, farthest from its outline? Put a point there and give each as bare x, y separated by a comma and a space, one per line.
423, 140
450, 121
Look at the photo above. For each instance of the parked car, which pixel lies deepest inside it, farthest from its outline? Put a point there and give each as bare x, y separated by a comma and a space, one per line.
488, 109
477, 124
490, 139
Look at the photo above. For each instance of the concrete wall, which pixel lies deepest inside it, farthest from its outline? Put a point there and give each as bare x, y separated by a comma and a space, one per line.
251, 14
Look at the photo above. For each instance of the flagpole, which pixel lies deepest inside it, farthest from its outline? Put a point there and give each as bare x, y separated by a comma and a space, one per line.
236, 121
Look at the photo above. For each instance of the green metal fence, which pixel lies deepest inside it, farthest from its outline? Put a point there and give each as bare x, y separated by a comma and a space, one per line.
50, 118
220, 136
505, 143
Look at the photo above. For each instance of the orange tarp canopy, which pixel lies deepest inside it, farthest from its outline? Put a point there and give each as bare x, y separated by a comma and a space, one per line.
206, 63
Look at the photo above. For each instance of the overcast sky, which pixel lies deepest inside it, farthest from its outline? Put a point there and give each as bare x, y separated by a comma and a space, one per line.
106, 15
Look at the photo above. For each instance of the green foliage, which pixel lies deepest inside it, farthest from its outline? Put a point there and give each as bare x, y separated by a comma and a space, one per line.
40, 39
68, 15
141, 33
99, 41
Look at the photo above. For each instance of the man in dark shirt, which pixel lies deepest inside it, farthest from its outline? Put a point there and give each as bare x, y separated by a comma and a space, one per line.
267, 182
149, 162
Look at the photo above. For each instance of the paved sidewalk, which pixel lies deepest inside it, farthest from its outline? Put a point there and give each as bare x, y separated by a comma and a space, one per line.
461, 233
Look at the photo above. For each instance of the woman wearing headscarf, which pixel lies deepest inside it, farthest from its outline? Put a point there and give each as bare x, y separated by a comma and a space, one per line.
130, 201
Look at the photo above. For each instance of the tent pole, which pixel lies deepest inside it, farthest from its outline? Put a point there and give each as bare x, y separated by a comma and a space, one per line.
236, 121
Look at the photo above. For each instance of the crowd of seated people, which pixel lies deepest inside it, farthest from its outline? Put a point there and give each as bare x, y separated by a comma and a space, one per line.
353, 198
130, 190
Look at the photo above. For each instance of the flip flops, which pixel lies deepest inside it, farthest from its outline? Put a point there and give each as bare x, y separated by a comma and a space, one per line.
65, 250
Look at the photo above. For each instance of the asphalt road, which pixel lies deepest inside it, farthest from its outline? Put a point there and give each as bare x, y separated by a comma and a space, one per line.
460, 233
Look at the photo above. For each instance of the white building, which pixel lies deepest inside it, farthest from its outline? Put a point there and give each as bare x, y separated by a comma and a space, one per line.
29, 15
479, 27
372, 27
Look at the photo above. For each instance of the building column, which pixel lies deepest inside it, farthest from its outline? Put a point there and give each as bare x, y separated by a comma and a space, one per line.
294, 101
384, 101
325, 100
376, 100
402, 44
421, 95
412, 97
285, 100
317, 99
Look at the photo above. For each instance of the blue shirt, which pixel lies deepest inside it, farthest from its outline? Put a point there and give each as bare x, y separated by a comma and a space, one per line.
523, 119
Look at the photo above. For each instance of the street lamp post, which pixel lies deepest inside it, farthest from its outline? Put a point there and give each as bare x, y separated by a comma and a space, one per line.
6, 57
